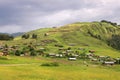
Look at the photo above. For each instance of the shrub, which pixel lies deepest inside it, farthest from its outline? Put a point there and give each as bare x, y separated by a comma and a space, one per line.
58, 45
33, 53
34, 36
47, 55
50, 64
69, 48
17, 52
55, 64
25, 36
45, 64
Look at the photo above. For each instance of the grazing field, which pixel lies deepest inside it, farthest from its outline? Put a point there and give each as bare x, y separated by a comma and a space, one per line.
29, 68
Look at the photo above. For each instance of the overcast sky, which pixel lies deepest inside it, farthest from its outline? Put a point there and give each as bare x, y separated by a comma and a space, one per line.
26, 15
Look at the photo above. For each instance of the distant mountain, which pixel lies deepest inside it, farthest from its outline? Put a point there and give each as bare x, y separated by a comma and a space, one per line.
17, 34
4, 33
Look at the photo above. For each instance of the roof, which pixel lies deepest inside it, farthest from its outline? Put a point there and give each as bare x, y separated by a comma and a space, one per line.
42, 48
109, 62
52, 54
71, 58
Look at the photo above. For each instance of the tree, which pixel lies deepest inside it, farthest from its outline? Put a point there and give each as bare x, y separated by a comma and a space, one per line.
112, 23
6, 46
34, 36
114, 41
104, 21
6, 37
17, 52
25, 36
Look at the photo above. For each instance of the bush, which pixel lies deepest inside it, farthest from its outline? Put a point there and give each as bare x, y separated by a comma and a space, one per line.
25, 36
47, 55
58, 45
69, 48
50, 64
55, 64
33, 53
18, 52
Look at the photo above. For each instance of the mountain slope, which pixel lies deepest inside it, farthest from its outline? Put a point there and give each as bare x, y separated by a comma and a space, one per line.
99, 36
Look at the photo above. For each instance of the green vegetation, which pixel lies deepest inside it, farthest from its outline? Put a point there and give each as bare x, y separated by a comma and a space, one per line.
99, 36
28, 68
50, 64
34, 55
25, 36
6, 37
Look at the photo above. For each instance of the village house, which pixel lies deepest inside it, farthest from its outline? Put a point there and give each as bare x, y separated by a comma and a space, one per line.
51, 54
108, 63
59, 55
72, 59
5, 53
1, 53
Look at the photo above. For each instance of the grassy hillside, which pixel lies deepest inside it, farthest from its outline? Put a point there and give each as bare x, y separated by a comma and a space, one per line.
97, 36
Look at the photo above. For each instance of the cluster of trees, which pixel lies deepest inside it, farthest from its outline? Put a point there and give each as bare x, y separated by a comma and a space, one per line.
114, 42
112, 23
27, 36
6, 37
29, 50
34, 36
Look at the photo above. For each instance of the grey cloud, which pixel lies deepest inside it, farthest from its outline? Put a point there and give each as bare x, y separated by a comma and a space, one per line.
25, 15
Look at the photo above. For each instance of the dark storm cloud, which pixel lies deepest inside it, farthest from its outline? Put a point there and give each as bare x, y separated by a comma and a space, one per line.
25, 15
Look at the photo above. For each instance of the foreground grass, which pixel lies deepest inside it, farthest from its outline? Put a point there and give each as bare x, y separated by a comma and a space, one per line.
68, 70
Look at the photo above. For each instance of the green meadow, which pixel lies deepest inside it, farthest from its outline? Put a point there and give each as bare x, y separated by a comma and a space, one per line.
29, 68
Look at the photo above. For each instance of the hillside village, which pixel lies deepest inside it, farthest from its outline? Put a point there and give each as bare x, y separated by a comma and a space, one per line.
67, 53
36, 47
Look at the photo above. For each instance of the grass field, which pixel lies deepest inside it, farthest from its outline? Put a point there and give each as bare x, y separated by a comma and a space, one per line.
29, 68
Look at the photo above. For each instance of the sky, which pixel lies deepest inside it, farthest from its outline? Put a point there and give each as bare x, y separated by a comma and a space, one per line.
26, 15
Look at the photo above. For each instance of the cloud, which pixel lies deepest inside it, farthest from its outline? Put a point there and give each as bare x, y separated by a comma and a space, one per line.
8, 28
25, 15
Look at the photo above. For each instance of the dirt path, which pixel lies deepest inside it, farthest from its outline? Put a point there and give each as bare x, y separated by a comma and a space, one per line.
17, 64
